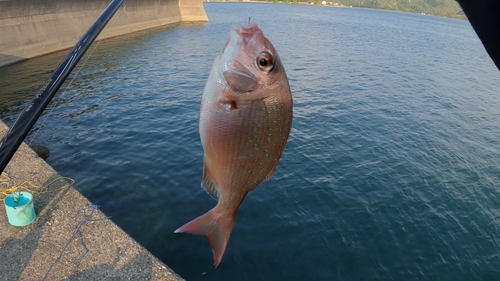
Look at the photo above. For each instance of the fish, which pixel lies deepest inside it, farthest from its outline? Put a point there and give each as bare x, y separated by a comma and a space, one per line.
245, 121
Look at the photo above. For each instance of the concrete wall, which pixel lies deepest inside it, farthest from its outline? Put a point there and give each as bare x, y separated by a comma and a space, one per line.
30, 28
28, 253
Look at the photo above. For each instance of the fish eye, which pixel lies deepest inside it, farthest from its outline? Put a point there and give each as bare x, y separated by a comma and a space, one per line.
265, 62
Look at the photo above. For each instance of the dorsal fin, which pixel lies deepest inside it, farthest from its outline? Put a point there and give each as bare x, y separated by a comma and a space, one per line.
208, 184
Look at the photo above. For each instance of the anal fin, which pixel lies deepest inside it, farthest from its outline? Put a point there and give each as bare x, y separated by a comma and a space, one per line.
208, 184
269, 176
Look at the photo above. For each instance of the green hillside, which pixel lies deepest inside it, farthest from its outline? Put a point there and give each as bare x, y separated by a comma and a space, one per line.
447, 8
444, 8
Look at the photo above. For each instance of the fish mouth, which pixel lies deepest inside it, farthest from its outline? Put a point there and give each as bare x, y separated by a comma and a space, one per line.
242, 35
246, 30
238, 34
246, 33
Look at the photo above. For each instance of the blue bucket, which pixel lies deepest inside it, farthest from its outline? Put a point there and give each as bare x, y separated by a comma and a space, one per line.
20, 208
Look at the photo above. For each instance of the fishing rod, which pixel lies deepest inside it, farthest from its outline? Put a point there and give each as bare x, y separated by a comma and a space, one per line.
23, 124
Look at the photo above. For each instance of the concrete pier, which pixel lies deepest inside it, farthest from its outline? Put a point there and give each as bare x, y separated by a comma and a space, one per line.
39, 250
50, 248
32, 28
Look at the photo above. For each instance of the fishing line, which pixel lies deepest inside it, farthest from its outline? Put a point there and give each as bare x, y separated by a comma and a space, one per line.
83, 220
28, 117
40, 190
36, 190
113, 20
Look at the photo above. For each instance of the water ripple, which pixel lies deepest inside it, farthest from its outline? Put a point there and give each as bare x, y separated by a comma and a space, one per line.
391, 171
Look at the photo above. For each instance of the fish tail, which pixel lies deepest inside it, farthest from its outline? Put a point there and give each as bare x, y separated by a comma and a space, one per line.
216, 227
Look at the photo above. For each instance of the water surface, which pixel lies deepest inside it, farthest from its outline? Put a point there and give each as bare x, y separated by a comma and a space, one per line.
391, 171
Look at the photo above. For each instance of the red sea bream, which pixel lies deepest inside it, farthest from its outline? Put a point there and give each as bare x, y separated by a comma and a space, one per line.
245, 120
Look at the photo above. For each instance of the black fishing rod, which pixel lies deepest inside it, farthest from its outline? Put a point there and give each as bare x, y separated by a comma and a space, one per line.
20, 129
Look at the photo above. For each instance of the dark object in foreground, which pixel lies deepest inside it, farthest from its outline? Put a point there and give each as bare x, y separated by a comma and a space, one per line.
484, 16
42, 151
20, 129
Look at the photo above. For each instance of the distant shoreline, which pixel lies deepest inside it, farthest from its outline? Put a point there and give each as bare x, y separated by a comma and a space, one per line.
458, 16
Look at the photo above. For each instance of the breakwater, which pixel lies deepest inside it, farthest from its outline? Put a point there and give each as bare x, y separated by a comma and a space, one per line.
32, 28
62, 243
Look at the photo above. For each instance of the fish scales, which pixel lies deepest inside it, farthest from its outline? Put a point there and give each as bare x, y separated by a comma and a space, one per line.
245, 120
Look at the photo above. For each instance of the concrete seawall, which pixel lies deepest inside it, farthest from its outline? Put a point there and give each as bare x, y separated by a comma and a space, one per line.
59, 244
31, 28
